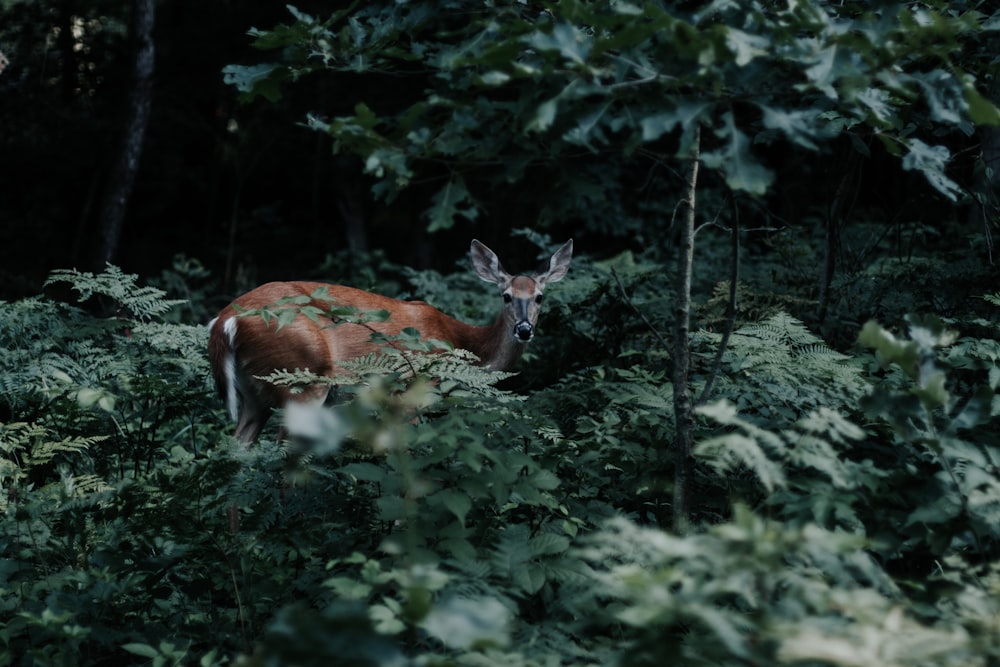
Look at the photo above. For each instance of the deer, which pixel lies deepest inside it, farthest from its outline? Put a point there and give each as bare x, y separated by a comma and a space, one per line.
244, 347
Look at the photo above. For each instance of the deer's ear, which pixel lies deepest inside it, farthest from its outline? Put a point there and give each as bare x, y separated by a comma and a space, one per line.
487, 264
558, 264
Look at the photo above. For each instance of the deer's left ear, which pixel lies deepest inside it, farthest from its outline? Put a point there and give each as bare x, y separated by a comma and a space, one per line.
558, 264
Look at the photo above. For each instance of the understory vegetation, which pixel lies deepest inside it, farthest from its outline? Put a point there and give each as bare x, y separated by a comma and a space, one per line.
846, 503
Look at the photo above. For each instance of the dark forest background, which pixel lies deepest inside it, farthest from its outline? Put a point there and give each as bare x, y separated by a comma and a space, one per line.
208, 162
253, 193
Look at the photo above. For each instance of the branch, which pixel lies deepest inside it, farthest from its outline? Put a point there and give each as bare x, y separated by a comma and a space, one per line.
731, 310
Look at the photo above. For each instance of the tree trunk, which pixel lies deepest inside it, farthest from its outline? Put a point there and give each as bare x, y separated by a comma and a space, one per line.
122, 177
683, 406
350, 205
68, 59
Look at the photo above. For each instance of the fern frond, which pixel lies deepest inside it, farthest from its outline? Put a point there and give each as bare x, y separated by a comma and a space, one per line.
782, 360
45, 451
453, 370
725, 452
81, 486
781, 328
143, 302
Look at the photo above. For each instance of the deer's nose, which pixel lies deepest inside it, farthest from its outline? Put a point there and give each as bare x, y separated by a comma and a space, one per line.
523, 331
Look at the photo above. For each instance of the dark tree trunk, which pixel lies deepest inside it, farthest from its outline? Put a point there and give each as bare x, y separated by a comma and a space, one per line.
350, 205
67, 55
122, 176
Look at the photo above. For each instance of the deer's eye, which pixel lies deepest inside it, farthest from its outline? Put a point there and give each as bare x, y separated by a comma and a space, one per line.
538, 299
507, 298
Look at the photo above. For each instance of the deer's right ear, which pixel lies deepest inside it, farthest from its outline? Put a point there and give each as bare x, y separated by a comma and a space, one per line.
487, 264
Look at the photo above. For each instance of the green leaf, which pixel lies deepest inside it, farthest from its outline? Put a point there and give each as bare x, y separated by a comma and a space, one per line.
364, 116
252, 80
544, 116
942, 510
981, 110
460, 549
300, 15
568, 40
545, 480
548, 544
932, 162
878, 107
89, 396
943, 95
724, 627
456, 502
529, 578
367, 472
733, 158
745, 46
823, 73
733, 450
389, 160
466, 623
451, 201
494, 78
393, 508
932, 392
799, 127
386, 618
978, 411
144, 650
686, 115
890, 349
348, 588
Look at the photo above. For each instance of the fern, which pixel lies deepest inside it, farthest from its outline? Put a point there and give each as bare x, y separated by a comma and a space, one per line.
118, 480
806, 471
406, 358
45, 451
84, 486
779, 367
781, 329
141, 302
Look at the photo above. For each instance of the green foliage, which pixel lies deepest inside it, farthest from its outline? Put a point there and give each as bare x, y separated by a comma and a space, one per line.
847, 504
97, 406
765, 364
510, 93
753, 590
142, 303
881, 541
944, 424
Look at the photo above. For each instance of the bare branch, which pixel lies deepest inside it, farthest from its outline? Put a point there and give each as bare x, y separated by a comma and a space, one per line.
683, 407
732, 309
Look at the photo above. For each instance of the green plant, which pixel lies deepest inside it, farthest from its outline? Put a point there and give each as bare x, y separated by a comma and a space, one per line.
845, 510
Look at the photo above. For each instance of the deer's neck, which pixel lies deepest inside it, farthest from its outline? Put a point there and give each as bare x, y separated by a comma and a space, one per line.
494, 345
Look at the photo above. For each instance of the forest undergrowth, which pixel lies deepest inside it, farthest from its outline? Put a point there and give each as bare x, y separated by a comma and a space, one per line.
846, 507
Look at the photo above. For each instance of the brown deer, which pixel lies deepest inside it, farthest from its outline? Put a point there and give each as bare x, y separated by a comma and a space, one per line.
243, 348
